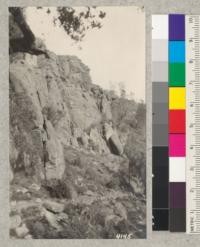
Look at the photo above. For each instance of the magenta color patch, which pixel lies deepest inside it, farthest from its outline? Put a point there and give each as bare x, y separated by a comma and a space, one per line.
177, 145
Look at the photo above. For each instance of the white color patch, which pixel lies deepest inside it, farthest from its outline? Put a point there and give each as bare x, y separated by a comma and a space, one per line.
177, 169
160, 27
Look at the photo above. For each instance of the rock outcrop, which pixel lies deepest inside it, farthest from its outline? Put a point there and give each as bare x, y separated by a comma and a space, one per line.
68, 178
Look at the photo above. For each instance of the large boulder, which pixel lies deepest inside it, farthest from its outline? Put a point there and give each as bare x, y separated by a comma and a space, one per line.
97, 142
115, 144
112, 139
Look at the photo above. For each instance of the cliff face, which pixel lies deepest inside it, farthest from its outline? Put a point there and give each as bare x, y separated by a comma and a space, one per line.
77, 161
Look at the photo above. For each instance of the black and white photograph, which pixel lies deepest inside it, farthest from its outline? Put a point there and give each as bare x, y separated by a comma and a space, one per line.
77, 125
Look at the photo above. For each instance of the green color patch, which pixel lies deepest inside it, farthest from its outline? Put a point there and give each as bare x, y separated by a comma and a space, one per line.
177, 74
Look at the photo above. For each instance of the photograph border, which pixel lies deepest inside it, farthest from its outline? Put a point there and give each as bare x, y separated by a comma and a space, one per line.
154, 239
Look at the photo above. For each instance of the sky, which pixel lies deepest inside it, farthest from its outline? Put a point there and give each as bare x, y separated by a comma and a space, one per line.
115, 53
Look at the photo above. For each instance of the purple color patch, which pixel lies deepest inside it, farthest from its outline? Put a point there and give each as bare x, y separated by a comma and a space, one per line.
177, 27
178, 195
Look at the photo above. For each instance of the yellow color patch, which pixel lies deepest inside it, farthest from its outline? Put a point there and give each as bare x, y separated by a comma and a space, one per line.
177, 98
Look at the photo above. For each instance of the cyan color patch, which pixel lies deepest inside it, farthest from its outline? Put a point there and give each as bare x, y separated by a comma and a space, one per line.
177, 51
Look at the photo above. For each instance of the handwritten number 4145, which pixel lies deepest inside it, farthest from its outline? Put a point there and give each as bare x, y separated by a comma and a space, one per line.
124, 236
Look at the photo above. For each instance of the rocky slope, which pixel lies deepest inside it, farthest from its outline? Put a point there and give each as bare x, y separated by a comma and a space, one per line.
77, 152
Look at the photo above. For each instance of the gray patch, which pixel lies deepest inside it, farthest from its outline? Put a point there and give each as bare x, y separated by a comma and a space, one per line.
160, 71
160, 135
160, 92
160, 113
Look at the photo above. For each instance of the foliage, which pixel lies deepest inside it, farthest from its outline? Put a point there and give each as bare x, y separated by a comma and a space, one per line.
122, 90
129, 118
123, 111
76, 23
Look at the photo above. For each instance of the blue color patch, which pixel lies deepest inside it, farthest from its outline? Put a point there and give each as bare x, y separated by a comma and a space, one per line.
177, 51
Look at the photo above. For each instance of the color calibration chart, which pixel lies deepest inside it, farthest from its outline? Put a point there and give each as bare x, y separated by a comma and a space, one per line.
176, 122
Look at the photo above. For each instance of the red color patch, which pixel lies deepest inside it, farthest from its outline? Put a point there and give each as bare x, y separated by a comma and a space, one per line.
177, 121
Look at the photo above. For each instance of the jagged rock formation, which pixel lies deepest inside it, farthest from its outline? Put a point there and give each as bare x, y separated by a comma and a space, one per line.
70, 176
